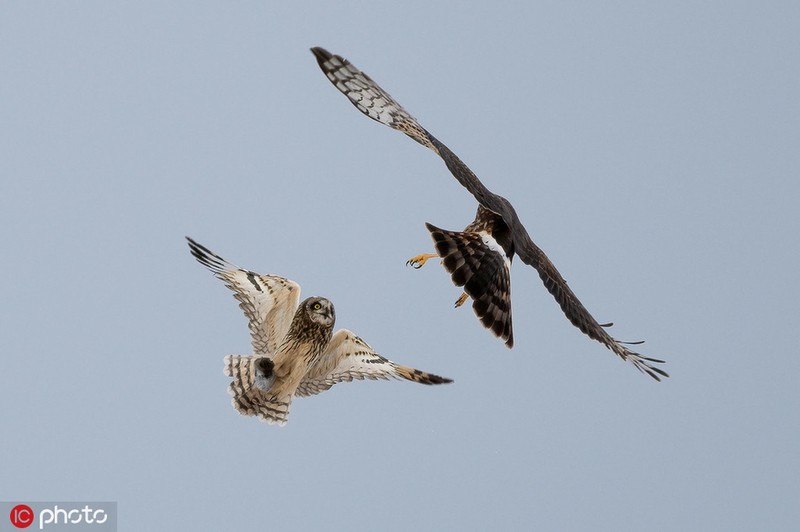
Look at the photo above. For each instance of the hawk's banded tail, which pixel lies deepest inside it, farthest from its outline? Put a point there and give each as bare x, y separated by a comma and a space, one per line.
477, 263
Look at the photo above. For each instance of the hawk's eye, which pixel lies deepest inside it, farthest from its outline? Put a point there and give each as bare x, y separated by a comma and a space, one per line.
317, 306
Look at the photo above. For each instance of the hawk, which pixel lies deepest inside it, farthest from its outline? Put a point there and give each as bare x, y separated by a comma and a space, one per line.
295, 351
478, 258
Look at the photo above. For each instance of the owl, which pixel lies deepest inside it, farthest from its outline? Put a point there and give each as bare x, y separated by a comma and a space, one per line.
478, 258
295, 350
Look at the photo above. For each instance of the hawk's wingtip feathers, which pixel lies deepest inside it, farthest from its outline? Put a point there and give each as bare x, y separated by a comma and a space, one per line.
377, 104
643, 364
321, 53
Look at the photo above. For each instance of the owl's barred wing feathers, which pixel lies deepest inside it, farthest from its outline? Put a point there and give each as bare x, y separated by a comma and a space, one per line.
376, 103
268, 301
295, 351
348, 357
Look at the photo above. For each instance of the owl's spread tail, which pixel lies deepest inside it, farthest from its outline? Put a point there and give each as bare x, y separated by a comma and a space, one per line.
249, 390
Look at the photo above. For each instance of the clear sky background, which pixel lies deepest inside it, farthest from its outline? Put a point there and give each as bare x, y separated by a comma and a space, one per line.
651, 149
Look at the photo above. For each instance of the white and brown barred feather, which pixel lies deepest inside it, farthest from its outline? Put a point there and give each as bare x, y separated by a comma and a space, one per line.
269, 302
348, 357
369, 97
250, 399
376, 103
282, 338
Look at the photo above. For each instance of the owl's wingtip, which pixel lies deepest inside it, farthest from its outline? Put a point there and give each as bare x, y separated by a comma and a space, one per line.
436, 379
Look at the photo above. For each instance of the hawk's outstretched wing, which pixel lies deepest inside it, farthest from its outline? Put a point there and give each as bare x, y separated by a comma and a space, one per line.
376, 103
348, 357
268, 301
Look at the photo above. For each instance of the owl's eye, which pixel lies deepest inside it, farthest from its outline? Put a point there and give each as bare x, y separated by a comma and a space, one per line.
316, 306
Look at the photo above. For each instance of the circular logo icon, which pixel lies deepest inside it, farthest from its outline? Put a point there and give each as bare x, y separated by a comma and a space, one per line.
21, 516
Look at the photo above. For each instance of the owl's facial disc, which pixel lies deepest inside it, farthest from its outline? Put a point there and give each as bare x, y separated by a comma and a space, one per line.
323, 308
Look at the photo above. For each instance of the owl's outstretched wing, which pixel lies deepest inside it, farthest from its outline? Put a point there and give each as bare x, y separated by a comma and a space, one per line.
348, 357
268, 301
376, 103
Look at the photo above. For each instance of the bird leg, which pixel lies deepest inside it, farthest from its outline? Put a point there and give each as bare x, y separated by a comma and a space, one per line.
420, 260
461, 299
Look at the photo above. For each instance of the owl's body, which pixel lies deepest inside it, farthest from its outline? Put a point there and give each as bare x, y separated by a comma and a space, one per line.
263, 385
296, 352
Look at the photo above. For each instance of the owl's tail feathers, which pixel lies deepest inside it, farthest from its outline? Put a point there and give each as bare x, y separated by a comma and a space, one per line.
416, 375
273, 409
234, 365
249, 390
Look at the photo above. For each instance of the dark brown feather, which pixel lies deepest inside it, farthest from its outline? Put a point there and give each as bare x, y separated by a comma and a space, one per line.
484, 275
376, 103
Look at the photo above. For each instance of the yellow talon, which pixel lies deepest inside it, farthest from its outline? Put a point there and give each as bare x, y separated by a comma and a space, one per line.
460, 300
420, 260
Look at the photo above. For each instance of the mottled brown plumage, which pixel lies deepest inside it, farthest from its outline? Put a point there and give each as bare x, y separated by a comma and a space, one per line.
496, 218
295, 349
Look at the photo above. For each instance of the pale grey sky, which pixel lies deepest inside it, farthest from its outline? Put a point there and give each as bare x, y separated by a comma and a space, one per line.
650, 149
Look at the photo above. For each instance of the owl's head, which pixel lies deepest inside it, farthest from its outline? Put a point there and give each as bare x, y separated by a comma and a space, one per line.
320, 310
